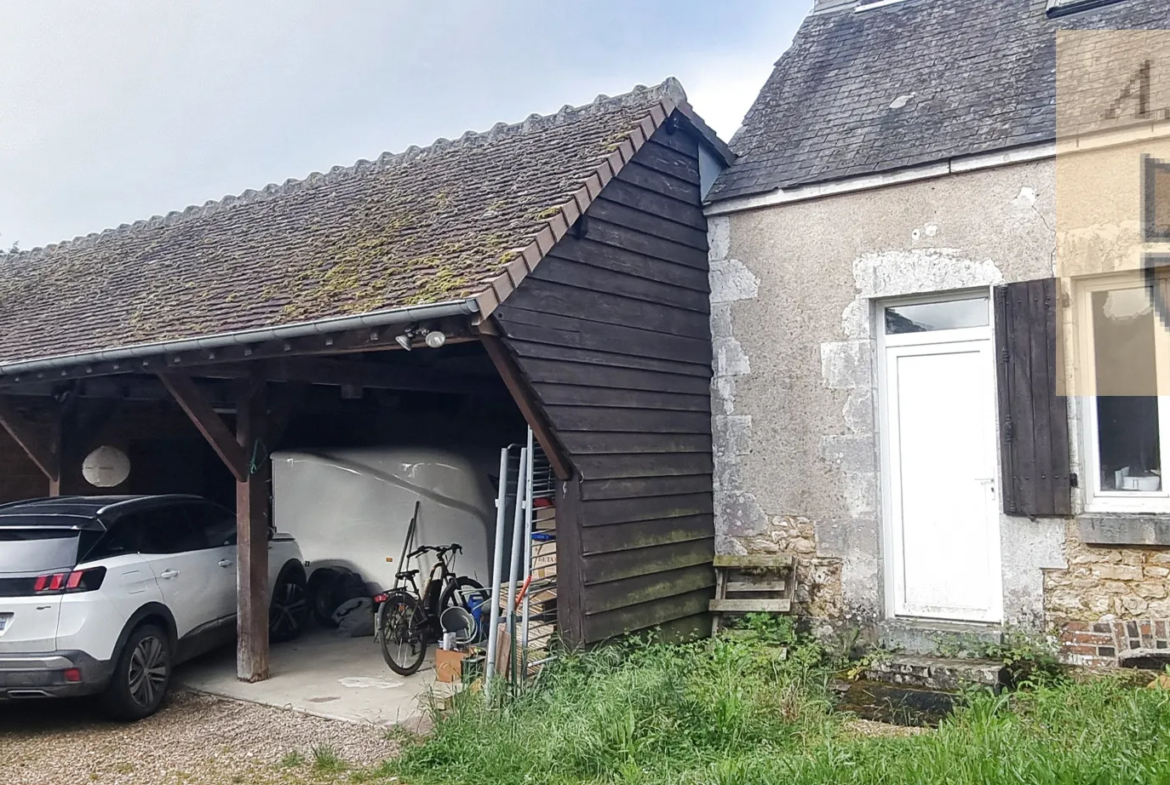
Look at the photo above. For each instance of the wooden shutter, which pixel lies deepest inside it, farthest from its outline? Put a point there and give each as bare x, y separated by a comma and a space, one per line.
1034, 448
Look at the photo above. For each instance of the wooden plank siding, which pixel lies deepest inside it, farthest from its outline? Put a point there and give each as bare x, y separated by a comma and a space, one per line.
612, 333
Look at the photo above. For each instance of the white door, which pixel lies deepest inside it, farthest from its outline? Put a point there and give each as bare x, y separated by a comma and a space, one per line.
939, 461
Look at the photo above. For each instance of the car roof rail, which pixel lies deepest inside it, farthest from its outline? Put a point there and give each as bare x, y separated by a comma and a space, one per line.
146, 500
39, 500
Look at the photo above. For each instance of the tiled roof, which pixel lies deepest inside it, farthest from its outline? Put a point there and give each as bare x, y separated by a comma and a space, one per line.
445, 223
911, 83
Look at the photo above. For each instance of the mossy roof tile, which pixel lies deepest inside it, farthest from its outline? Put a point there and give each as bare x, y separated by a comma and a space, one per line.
424, 226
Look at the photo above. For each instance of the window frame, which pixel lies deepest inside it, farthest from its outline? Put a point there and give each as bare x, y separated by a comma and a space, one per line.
1151, 167
946, 335
1096, 499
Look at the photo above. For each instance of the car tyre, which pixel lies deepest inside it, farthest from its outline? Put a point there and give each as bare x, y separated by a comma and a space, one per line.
321, 585
141, 676
289, 610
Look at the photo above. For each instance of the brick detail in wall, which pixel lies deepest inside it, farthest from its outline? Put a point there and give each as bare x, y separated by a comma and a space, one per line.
1107, 643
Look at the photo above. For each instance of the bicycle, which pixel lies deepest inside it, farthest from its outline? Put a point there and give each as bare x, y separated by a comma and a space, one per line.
408, 622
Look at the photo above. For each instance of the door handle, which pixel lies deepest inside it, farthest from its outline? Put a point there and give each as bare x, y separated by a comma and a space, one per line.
225, 563
168, 574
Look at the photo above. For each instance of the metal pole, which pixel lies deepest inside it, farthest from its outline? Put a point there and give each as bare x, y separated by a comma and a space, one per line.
514, 573
527, 551
497, 570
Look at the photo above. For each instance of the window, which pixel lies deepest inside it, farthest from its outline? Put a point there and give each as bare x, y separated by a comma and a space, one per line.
37, 549
869, 5
169, 530
928, 317
1156, 179
218, 525
1125, 357
1062, 7
123, 536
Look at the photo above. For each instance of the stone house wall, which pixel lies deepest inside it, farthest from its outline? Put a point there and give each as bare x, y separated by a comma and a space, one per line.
794, 393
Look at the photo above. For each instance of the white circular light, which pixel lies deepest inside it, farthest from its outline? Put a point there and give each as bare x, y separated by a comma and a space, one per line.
106, 467
435, 339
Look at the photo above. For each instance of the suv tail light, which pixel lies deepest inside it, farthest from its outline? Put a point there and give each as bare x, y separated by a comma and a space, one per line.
70, 582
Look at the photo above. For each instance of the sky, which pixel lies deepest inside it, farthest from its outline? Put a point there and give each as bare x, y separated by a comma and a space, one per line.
118, 110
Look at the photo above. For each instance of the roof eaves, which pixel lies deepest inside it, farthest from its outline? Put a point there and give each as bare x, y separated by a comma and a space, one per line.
330, 325
567, 214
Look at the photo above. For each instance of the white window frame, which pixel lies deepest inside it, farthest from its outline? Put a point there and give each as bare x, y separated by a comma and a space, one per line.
1096, 499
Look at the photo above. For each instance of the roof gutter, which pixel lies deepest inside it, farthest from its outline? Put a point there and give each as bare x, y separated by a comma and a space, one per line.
331, 325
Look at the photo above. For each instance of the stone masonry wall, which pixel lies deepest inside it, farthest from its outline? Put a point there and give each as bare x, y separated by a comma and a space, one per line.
1110, 603
818, 579
794, 390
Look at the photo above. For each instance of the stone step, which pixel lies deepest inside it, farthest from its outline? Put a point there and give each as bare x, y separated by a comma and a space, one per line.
936, 673
894, 704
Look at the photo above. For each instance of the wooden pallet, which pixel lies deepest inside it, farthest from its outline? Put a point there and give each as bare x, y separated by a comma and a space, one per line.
752, 584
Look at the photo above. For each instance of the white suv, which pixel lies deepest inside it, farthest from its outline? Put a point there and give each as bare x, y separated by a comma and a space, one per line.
104, 595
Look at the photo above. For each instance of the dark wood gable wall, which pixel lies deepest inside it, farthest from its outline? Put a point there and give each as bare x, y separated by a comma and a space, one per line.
612, 332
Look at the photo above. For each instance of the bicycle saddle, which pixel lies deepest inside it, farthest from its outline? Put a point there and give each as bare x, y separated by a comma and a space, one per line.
406, 574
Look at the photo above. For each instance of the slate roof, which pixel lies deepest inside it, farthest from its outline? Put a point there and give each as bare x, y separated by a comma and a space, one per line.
912, 83
458, 219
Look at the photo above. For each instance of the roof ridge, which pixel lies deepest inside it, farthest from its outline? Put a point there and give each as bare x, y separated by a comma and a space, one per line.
670, 88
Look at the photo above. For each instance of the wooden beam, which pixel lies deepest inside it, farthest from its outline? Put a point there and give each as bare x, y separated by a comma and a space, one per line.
209, 423
24, 434
516, 385
252, 538
375, 375
364, 340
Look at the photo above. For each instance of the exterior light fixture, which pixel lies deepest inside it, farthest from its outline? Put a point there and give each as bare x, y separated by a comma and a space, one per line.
407, 338
436, 339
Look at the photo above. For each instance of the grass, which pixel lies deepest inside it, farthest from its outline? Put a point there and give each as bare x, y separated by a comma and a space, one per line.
326, 760
758, 710
291, 760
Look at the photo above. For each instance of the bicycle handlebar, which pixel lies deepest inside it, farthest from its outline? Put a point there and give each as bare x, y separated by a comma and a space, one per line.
439, 549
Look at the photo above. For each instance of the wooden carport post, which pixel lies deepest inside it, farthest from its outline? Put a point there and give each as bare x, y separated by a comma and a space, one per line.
252, 533
252, 478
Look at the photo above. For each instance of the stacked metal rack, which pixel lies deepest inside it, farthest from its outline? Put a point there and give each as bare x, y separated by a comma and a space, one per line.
523, 605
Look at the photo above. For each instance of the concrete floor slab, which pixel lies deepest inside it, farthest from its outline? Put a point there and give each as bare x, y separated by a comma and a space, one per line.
323, 675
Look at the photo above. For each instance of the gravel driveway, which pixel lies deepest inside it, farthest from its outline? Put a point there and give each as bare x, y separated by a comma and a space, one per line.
195, 740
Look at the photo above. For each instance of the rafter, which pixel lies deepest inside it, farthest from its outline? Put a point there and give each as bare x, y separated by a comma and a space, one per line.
24, 433
208, 422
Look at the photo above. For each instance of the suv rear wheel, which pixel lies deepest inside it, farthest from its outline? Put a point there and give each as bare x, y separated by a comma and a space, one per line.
289, 610
141, 677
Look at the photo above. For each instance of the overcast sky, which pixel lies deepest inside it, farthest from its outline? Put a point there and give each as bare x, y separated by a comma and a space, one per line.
117, 110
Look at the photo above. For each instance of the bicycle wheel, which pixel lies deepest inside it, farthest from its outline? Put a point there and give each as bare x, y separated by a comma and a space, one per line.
401, 631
